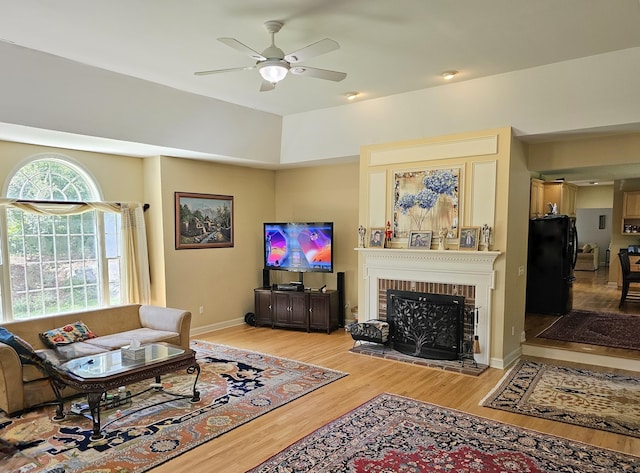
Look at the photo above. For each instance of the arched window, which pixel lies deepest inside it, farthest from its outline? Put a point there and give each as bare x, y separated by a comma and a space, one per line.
58, 263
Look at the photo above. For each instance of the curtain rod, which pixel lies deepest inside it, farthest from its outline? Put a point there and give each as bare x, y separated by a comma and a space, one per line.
63, 202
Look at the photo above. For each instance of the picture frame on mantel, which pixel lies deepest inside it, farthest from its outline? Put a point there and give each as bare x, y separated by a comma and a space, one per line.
376, 237
420, 240
203, 220
469, 238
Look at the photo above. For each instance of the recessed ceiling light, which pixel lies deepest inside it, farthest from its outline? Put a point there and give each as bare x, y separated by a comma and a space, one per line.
448, 75
351, 95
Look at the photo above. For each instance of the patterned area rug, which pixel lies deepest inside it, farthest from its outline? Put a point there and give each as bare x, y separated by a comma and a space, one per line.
589, 398
235, 385
396, 434
596, 328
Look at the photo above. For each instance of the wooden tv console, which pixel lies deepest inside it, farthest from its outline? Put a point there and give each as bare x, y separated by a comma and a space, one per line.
308, 310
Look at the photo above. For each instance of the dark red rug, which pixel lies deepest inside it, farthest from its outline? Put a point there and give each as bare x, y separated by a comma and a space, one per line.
396, 434
596, 328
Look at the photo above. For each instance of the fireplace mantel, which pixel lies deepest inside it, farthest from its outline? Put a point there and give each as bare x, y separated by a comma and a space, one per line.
473, 268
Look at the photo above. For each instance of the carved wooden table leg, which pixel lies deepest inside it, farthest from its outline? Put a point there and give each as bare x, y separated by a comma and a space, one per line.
191, 369
93, 399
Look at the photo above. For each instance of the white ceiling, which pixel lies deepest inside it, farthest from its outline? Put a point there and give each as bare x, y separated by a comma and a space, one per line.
387, 47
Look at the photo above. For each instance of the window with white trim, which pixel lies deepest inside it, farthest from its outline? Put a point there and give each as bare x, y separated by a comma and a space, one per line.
57, 263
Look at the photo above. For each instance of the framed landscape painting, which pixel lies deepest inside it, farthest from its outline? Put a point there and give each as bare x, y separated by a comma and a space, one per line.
203, 220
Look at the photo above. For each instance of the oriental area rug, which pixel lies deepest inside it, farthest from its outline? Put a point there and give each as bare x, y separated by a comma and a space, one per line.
397, 434
596, 328
589, 398
235, 387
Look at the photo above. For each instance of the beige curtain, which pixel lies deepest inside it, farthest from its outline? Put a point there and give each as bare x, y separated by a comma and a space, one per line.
135, 282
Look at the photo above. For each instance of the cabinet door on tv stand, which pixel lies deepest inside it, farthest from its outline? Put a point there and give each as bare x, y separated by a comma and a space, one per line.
323, 311
280, 308
289, 309
299, 315
263, 307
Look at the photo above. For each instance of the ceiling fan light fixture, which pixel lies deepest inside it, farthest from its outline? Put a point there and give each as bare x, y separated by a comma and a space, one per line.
448, 75
273, 71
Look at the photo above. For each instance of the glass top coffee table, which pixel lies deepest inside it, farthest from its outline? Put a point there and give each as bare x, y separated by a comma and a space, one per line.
96, 374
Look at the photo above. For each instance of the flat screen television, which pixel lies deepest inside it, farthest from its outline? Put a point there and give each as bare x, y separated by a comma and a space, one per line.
299, 247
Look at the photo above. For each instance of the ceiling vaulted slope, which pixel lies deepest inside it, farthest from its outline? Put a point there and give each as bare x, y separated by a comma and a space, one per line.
119, 77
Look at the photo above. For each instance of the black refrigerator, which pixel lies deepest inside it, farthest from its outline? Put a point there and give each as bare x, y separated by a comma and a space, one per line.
553, 248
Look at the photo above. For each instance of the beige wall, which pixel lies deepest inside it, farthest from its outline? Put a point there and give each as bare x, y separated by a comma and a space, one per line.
516, 194
119, 177
324, 193
221, 280
154, 220
583, 153
594, 197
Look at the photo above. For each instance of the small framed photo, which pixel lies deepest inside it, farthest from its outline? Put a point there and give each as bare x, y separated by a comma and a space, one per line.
469, 237
376, 238
420, 240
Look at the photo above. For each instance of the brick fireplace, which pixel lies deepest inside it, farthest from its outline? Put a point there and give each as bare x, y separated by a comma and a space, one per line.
466, 273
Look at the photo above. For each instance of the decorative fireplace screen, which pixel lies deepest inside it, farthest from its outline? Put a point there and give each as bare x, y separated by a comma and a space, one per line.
426, 325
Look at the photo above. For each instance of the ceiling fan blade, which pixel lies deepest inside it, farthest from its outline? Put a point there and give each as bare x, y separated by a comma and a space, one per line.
318, 73
218, 71
321, 47
237, 45
266, 86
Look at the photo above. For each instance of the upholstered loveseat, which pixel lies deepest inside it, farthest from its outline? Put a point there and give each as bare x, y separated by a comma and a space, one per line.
588, 255
24, 385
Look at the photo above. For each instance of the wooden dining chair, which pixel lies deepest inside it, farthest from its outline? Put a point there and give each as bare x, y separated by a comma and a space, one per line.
628, 276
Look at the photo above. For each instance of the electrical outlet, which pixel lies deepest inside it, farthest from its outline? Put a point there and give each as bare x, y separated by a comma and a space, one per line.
513, 330
202, 309
521, 271
523, 337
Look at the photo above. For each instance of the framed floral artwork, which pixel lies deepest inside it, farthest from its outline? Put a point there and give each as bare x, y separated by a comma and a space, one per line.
426, 199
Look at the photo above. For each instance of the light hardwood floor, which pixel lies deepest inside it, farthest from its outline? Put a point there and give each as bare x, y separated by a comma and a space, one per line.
592, 292
252, 443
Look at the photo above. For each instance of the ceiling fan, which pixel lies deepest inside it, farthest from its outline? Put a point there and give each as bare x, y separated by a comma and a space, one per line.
274, 65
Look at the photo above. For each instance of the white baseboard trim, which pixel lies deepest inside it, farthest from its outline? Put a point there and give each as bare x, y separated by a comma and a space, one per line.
213, 327
585, 358
507, 361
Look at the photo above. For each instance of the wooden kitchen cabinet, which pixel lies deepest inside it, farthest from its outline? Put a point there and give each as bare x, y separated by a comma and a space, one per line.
537, 206
631, 213
563, 195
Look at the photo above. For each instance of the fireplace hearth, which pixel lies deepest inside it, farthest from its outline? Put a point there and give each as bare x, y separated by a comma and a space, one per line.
426, 325
450, 270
